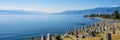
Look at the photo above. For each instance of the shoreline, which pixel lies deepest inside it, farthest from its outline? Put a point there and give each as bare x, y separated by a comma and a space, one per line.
102, 18
90, 32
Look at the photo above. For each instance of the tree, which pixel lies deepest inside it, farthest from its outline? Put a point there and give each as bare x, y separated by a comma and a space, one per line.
116, 14
57, 37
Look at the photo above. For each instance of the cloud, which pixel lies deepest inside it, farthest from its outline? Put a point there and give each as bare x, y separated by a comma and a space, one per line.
11, 8
26, 9
115, 5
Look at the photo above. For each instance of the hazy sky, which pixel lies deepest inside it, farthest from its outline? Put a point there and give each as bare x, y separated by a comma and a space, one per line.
55, 5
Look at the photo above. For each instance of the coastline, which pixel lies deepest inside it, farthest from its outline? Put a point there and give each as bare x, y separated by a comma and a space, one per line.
94, 32
103, 18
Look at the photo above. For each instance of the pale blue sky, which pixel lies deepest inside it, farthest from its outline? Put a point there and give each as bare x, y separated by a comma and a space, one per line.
55, 5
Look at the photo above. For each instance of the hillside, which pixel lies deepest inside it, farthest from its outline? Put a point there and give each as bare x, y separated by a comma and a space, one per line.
92, 11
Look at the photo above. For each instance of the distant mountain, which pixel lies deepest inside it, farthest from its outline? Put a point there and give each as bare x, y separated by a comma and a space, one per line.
107, 10
99, 10
19, 12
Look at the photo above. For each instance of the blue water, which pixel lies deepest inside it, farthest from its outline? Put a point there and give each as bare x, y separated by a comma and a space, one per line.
19, 27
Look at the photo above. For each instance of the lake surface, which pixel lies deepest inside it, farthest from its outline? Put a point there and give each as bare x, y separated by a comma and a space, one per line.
19, 27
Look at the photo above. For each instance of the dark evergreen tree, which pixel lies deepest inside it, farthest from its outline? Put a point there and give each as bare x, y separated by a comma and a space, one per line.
33, 38
57, 37
116, 14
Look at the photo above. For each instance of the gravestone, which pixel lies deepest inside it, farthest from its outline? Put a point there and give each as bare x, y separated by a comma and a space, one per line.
42, 37
108, 36
101, 39
113, 30
49, 37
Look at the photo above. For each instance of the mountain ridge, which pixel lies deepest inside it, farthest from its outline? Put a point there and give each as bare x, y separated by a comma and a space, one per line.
107, 10
98, 10
20, 12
